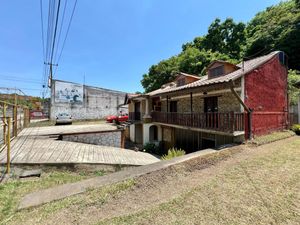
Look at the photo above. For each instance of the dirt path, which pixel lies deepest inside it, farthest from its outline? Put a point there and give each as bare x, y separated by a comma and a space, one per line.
155, 189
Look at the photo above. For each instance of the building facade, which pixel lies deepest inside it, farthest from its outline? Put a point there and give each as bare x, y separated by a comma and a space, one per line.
84, 102
230, 104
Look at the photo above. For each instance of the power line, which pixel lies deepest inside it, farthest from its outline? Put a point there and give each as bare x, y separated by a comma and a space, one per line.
64, 42
42, 22
22, 81
60, 30
55, 30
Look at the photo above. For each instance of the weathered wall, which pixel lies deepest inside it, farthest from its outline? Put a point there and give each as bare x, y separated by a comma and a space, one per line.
93, 103
107, 138
227, 102
266, 94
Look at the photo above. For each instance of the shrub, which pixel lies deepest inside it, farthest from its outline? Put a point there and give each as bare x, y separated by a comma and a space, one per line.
150, 148
296, 128
172, 153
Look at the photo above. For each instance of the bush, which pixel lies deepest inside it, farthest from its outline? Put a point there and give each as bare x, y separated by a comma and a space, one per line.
296, 128
150, 148
172, 153
153, 148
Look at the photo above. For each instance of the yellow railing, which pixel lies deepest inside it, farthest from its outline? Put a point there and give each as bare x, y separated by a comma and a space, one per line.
13, 118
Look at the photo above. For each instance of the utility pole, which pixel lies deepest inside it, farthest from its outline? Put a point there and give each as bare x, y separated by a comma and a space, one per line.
51, 73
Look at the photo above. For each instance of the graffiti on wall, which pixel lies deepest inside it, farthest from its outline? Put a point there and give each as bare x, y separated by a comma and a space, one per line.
68, 92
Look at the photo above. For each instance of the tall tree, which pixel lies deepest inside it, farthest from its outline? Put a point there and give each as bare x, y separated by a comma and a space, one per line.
227, 38
276, 28
192, 61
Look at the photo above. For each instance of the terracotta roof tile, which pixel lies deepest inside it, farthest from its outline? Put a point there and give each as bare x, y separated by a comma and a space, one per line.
248, 67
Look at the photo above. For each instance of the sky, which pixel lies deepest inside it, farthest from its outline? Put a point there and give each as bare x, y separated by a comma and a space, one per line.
111, 43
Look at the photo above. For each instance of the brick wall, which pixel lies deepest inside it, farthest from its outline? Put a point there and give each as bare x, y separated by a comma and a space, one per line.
266, 94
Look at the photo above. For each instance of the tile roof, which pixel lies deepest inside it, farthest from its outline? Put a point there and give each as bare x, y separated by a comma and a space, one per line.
187, 75
249, 65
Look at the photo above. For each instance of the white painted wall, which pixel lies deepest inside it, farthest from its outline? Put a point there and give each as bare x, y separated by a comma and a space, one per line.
146, 132
132, 132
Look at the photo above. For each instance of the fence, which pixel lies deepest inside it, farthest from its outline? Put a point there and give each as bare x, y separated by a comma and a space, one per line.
13, 118
226, 122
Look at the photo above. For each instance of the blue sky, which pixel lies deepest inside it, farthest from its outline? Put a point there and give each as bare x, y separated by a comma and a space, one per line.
111, 42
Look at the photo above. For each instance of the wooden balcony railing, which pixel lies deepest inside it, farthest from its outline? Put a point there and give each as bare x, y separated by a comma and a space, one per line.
225, 122
135, 116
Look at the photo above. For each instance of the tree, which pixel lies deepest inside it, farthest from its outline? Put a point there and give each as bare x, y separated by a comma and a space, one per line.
227, 38
160, 74
294, 93
192, 61
276, 28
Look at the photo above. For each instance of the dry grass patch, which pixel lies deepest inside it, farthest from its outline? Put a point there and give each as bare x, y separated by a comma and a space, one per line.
78, 203
263, 190
275, 136
13, 190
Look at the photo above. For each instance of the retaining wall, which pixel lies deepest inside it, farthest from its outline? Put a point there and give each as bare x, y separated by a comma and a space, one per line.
112, 138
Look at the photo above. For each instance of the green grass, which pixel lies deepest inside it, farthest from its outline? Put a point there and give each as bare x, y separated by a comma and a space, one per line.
262, 190
260, 140
77, 203
12, 191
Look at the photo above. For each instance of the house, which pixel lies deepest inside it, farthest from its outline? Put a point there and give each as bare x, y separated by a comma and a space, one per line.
230, 104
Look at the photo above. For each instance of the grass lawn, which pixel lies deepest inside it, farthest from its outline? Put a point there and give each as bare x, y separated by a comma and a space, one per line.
12, 191
275, 136
263, 190
260, 185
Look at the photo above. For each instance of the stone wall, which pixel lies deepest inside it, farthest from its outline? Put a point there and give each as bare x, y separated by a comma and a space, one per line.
227, 102
94, 103
105, 138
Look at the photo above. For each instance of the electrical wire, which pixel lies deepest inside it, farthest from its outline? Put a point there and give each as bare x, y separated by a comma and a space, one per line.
64, 42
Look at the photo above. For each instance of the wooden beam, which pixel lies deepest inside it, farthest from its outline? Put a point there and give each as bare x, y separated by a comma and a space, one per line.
238, 97
191, 98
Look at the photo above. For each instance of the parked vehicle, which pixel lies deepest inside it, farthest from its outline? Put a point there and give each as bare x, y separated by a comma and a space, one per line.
37, 115
117, 119
63, 118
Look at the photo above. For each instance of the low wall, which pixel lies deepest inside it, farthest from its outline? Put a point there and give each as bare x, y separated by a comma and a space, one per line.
112, 138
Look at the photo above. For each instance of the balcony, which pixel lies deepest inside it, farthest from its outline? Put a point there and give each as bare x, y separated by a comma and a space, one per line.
223, 122
135, 116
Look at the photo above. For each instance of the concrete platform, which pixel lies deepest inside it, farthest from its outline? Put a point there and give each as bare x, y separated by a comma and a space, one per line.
35, 146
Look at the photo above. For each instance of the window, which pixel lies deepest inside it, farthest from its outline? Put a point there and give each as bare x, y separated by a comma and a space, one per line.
173, 106
211, 104
217, 71
180, 82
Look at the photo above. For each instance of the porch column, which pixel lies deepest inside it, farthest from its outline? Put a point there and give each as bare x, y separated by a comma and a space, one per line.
299, 109
147, 115
191, 103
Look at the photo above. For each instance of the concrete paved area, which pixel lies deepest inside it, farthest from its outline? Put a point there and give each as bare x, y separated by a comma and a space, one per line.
66, 190
35, 146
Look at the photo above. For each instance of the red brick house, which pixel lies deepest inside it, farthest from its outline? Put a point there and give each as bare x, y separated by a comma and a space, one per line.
229, 104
